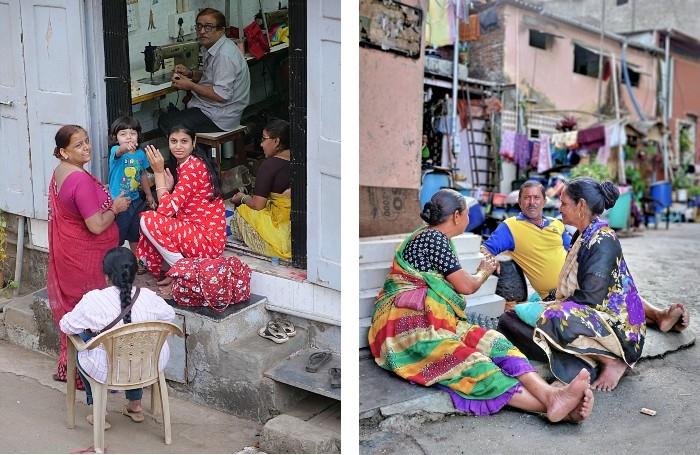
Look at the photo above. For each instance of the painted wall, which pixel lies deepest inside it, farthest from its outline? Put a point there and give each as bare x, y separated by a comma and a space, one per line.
391, 118
686, 99
549, 72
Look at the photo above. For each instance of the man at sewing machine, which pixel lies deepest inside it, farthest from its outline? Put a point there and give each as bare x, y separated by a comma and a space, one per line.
221, 91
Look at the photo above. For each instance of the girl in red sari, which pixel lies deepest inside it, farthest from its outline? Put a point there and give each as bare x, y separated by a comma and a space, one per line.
81, 228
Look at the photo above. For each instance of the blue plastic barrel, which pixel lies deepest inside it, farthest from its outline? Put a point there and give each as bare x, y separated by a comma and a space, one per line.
433, 182
661, 192
476, 214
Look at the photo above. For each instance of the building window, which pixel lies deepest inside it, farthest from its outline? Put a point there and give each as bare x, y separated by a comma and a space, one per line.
586, 61
634, 77
621, 2
538, 39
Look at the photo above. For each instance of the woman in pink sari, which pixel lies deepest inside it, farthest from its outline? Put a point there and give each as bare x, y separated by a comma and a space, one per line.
81, 228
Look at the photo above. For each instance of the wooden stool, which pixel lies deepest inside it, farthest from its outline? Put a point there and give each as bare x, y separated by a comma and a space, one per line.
216, 140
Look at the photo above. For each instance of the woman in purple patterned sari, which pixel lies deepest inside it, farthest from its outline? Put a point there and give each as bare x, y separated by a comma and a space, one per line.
598, 317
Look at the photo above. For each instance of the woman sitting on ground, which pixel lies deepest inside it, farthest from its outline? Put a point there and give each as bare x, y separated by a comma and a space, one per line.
598, 315
420, 332
190, 220
262, 221
97, 309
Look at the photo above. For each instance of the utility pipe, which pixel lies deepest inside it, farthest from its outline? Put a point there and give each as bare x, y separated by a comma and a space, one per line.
20, 255
456, 145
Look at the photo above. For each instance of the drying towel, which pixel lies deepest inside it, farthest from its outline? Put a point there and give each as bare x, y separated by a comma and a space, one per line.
591, 138
522, 156
545, 160
507, 150
565, 140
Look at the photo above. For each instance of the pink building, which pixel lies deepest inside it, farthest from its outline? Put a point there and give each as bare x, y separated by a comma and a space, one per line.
554, 62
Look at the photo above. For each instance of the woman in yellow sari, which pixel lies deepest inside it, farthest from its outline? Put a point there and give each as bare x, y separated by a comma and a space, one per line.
262, 220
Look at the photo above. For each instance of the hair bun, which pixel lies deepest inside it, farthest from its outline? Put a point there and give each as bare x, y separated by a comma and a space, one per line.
610, 194
429, 212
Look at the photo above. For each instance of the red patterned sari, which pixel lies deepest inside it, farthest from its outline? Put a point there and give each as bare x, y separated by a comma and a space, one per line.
75, 253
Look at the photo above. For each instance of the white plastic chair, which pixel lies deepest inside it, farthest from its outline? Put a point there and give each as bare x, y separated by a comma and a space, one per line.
133, 351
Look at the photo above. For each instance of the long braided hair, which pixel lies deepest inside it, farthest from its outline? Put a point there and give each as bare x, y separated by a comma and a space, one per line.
119, 264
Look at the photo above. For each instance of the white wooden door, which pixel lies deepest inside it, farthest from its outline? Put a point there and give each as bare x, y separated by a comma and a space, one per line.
56, 82
15, 176
323, 142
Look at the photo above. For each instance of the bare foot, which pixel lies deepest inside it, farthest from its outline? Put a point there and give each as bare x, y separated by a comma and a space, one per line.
682, 324
672, 316
584, 408
611, 372
564, 400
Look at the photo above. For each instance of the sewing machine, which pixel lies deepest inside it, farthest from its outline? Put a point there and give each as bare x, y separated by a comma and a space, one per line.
186, 53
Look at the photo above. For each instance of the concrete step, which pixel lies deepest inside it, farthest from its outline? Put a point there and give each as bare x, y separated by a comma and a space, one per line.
29, 323
368, 296
372, 275
292, 371
365, 324
230, 376
288, 434
382, 249
489, 305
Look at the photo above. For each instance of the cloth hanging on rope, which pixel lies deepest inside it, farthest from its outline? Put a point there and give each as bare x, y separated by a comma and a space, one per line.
545, 159
522, 156
507, 150
591, 138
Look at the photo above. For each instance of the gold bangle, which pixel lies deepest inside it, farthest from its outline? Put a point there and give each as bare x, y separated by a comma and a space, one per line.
161, 188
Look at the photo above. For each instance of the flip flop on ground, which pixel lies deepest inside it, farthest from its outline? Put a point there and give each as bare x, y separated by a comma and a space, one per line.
317, 360
133, 415
272, 331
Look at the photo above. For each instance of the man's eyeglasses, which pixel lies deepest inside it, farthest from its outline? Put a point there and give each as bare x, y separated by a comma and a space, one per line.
206, 27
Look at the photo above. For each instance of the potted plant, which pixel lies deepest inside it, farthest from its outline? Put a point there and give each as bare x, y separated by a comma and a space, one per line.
595, 171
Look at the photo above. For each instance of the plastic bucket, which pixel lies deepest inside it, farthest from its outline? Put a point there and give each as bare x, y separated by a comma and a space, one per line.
476, 214
661, 192
620, 212
432, 182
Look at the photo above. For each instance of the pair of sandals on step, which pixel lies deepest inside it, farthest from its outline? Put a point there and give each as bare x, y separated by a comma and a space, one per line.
278, 330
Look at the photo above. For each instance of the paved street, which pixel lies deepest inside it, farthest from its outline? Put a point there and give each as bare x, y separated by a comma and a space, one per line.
665, 267
33, 417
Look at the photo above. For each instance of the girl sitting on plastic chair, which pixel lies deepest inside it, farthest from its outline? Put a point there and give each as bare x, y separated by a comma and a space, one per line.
98, 308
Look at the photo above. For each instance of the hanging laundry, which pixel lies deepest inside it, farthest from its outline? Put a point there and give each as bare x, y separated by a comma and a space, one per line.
535, 155
591, 138
488, 19
565, 140
522, 156
470, 31
507, 150
463, 112
545, 160
615, 136
440, 23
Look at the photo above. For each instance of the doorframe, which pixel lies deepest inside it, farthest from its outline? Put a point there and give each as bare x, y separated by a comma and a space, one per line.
97, 96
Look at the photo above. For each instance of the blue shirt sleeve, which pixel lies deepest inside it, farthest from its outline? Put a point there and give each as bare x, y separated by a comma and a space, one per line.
501, 240
566, 240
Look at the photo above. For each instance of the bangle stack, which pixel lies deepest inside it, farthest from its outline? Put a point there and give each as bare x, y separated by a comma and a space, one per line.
162, 188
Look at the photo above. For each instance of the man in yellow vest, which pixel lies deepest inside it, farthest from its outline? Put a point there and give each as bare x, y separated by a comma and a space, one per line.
539, 245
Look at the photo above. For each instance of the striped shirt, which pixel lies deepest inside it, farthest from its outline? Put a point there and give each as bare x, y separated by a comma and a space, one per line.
100, 307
